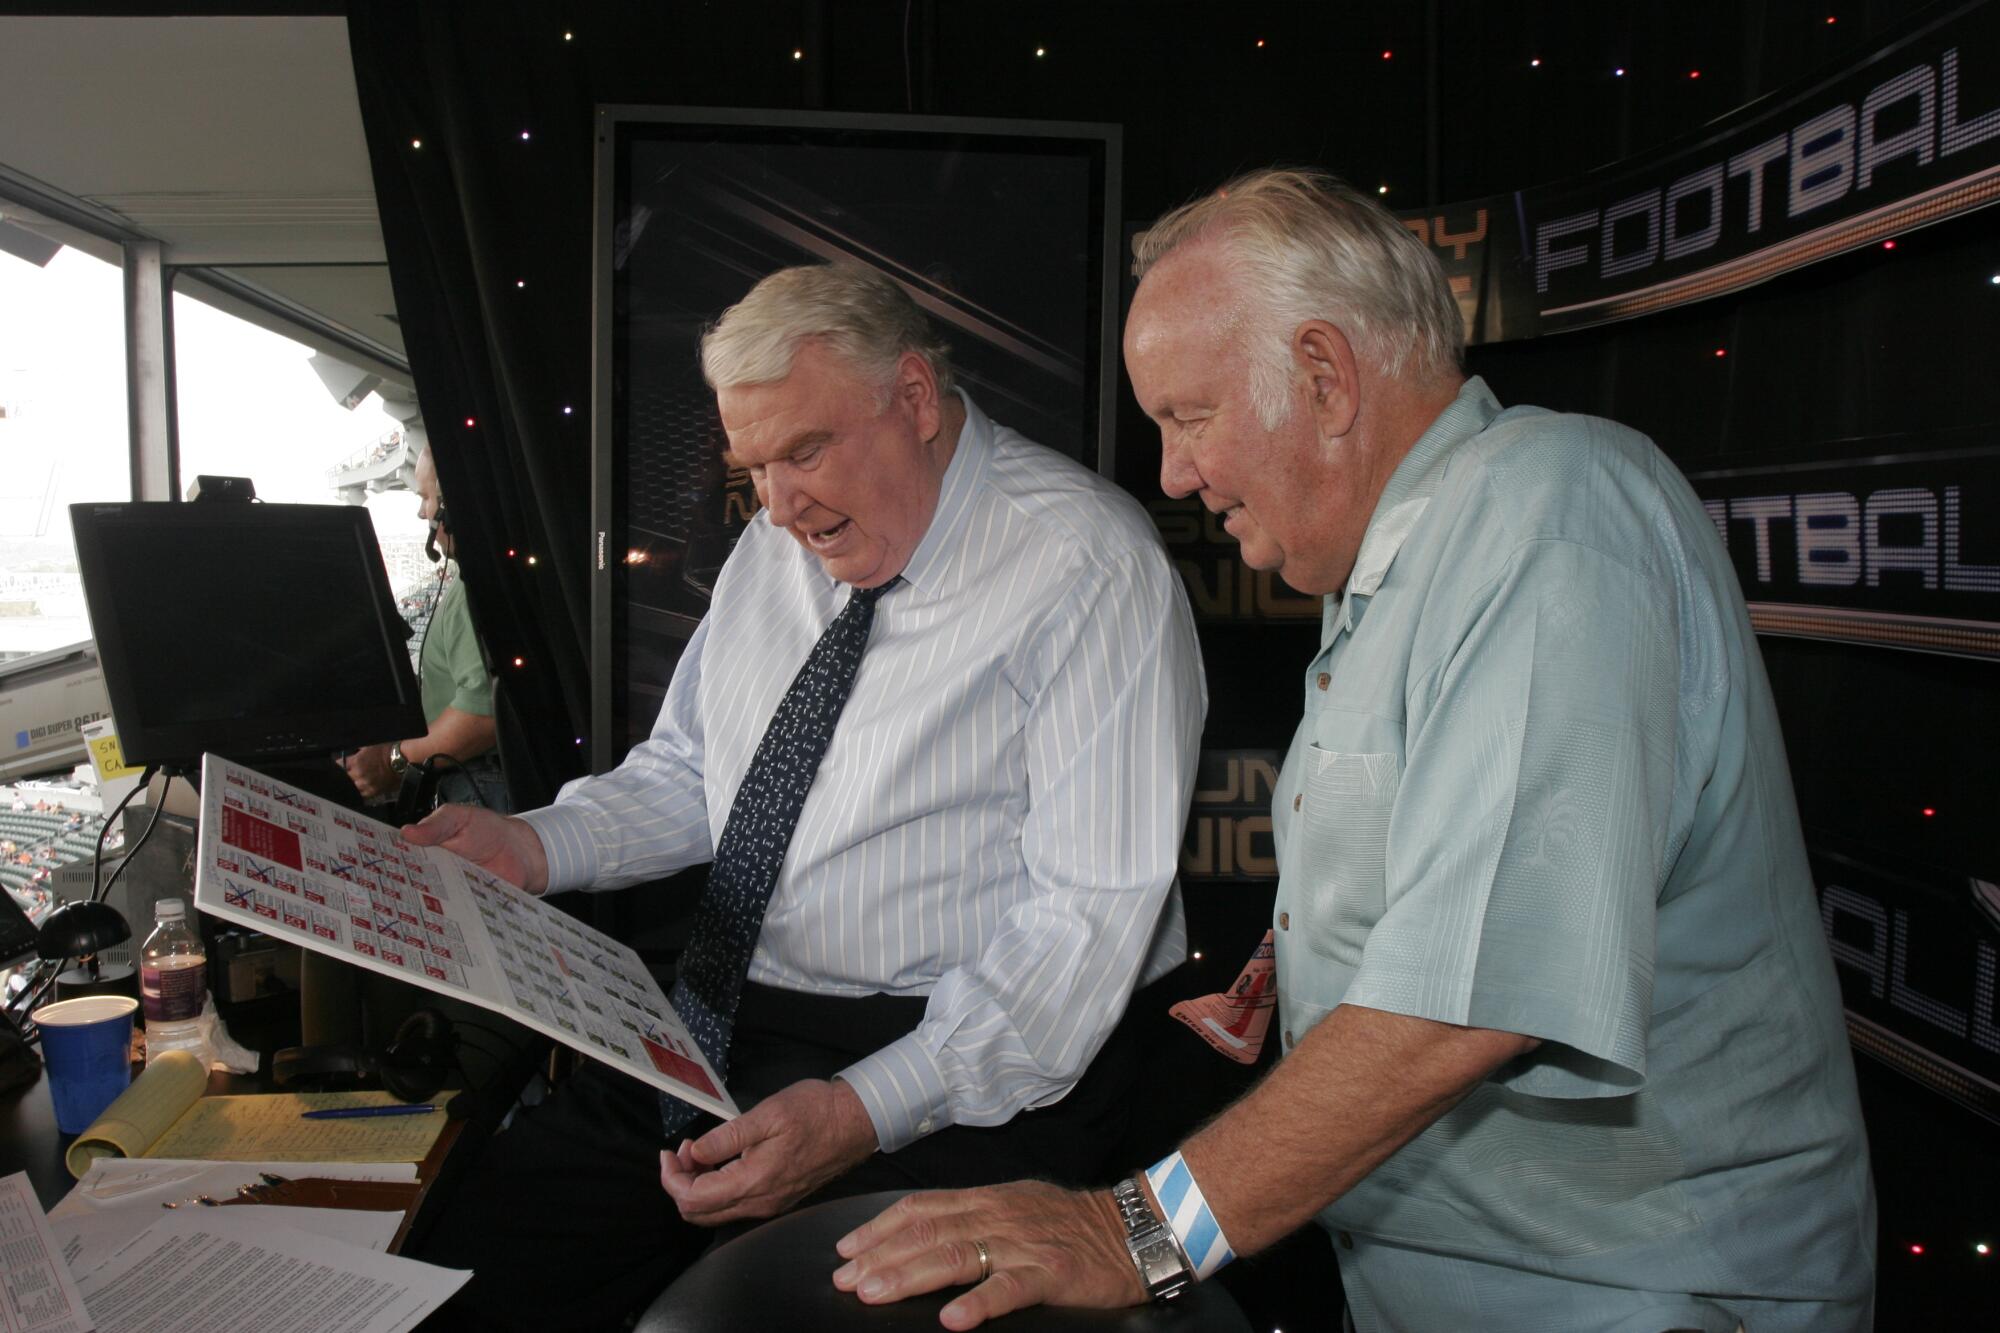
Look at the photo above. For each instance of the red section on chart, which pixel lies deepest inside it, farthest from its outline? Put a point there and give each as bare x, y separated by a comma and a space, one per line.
261, 838
678, 1067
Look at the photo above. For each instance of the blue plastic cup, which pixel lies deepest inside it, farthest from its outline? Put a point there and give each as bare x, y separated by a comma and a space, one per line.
87, 1045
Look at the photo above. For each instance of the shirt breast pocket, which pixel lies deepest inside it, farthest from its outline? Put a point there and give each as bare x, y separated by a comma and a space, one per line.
1343, 847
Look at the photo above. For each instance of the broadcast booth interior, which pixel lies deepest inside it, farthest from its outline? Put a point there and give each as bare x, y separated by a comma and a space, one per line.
1761, 236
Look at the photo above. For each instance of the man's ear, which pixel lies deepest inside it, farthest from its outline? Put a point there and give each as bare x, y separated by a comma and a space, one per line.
1322, 354
916, 391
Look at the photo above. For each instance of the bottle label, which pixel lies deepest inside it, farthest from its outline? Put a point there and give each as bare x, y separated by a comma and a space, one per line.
172, 994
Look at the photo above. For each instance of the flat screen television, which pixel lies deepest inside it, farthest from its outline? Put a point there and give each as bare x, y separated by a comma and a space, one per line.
256, 631
1005, 232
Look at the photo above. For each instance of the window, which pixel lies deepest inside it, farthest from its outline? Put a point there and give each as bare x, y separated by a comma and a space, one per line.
62, 436
252, 405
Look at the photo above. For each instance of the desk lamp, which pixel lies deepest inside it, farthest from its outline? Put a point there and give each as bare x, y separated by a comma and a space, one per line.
79, 930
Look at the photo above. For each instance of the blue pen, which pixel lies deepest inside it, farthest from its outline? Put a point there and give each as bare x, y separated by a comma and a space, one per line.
359, 1112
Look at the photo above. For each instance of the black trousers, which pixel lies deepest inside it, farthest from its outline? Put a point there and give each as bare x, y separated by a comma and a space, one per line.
563, 1220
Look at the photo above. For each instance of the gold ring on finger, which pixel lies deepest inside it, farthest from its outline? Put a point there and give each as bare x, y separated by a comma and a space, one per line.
985, 1260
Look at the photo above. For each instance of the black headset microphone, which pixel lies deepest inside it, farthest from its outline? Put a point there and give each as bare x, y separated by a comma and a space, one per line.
440, 522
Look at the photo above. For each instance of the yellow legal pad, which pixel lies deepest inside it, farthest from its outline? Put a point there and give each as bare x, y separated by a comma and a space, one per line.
163, 1114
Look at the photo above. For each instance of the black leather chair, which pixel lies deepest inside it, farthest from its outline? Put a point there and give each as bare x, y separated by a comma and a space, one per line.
779, 1277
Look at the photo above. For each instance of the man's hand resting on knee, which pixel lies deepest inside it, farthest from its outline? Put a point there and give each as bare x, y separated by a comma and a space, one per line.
771, 1156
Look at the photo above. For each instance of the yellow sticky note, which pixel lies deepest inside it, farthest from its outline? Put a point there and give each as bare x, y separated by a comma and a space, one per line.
109, 760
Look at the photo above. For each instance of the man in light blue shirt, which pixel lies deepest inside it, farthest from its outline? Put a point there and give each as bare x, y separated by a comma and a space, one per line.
1563, 1047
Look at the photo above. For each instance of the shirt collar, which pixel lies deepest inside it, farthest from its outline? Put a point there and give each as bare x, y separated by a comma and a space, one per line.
1409, 493
962, 477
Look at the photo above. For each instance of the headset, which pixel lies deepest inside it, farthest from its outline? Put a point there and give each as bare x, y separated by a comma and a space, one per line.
440, 522
414, 1066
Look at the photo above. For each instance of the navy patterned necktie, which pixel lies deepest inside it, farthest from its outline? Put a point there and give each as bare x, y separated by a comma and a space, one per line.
727, 921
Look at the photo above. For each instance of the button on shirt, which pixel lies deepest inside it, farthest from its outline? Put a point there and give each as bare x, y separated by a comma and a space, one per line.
1540, 787
997, 821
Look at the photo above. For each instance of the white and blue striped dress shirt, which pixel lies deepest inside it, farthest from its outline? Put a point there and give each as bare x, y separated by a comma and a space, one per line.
997, 821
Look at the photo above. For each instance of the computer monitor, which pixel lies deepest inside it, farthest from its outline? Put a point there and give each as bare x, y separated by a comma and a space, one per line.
17, 932
251, 630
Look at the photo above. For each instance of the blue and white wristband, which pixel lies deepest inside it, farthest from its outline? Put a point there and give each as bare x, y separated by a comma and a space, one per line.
1189, 1216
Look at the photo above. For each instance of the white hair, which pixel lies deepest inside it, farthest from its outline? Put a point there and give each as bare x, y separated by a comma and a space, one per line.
858, 313
1306, 245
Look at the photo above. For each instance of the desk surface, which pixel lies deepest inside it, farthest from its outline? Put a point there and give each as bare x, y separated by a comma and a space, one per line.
30, 1141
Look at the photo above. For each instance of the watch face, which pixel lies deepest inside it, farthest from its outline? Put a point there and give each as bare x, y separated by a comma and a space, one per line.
1154, 1253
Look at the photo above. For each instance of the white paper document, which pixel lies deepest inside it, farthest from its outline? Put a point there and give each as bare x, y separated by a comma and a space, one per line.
224, 1270
119, 1197
37, 1294
88, 1239
291, 865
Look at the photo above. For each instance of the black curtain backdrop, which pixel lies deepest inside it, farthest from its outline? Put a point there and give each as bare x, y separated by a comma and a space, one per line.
488, 234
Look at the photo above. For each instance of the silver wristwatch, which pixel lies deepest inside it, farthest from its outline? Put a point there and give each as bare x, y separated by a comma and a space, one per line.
1163, 1267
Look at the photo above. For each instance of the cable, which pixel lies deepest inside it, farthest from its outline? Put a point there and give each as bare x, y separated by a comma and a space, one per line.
909, 97
97, 895
133, 851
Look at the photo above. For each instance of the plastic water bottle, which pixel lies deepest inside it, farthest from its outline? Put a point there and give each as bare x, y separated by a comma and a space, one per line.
173, 982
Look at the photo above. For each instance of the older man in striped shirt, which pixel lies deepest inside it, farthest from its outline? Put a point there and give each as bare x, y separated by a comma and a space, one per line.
978, 876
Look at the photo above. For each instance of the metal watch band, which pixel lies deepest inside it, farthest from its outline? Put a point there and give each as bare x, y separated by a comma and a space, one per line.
1164, 1270
397, 763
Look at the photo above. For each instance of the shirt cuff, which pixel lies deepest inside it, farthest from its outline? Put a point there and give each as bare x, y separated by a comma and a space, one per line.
903, 1092
566, 843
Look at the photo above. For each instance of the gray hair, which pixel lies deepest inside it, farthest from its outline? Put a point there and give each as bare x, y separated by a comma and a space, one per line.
1307, 245
861, 315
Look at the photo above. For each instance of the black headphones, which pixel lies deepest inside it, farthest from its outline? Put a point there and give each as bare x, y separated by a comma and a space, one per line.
414, 1066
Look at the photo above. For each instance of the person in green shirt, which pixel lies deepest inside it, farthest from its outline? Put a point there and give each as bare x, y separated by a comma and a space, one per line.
456, 690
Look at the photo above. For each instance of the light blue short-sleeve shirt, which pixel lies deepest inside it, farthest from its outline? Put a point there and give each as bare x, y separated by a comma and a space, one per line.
1540, 787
